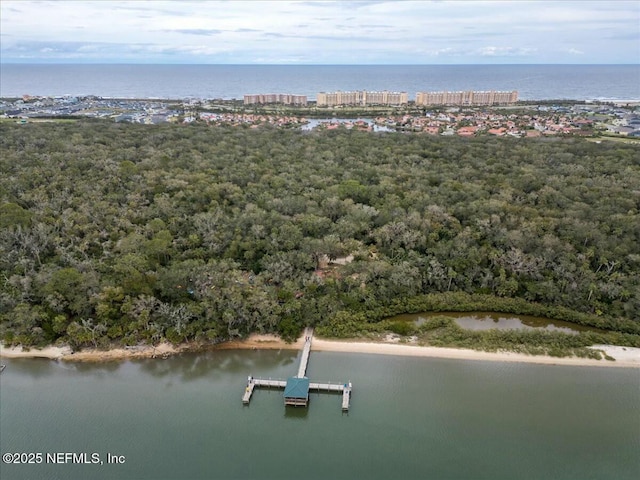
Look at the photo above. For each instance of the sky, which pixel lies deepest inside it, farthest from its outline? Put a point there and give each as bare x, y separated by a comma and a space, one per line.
321, 32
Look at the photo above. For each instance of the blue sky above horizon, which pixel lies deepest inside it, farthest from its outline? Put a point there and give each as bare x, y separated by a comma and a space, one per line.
321, 32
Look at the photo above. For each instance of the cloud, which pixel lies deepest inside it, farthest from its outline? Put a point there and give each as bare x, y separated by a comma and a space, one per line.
635, 36
74, 50
448, 51
505, 51
345, 5
465, 31
191, 50
149, 8
196, 31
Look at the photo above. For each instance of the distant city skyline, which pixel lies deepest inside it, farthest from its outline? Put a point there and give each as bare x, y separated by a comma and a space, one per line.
321, 32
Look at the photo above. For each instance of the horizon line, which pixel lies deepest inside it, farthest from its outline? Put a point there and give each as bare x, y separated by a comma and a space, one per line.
311, 64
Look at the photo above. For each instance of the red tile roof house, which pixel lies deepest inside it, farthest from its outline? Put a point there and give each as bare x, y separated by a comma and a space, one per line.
467, 131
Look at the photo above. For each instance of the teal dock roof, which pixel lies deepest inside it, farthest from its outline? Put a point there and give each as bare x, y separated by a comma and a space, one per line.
297, 388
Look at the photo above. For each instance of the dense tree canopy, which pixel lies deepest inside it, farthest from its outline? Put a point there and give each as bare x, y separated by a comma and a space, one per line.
131, 233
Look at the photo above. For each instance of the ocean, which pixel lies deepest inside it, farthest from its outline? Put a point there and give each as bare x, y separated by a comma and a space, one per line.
533, 82
410, 418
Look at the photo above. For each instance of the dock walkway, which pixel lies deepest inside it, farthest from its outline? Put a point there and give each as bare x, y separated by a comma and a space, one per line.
306, 350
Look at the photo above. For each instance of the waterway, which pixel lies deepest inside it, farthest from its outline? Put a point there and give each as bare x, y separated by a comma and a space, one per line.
182, 418
499, 321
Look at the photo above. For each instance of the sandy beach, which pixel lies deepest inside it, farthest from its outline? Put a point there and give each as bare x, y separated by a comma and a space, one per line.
627, 357
624, 356
90, 355
53, 353
630, 357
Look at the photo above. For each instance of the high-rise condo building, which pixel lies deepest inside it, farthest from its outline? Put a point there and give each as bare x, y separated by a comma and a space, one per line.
284, 98
467, 98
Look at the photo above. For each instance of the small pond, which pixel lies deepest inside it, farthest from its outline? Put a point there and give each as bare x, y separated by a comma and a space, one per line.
500, 321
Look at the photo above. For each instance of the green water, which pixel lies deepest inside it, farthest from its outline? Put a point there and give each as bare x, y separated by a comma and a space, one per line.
410, 418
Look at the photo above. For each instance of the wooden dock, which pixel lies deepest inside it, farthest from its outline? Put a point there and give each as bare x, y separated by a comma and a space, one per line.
248, 391
345, 388
306, 350
298, 400
346, 397
270, 383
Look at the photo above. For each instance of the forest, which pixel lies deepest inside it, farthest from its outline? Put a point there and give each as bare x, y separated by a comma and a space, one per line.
121, 234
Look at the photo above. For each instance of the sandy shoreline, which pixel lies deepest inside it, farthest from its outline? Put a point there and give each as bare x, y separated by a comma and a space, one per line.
626, 357
90, 355
629, 358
